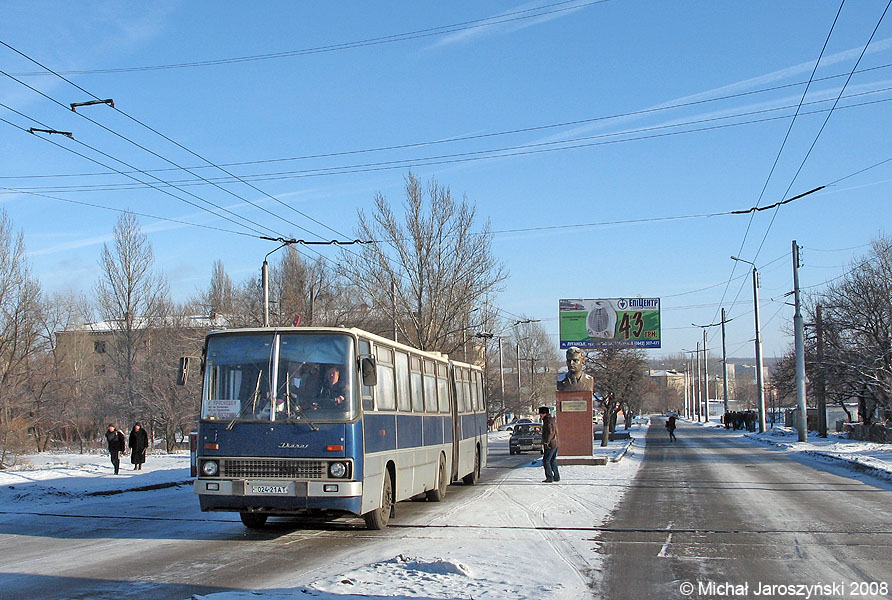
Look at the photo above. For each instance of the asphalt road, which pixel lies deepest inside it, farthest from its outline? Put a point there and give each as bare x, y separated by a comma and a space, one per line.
710, 510
159, 545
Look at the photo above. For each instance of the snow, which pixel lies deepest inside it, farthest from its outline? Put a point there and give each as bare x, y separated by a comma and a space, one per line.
514, 537
868, 457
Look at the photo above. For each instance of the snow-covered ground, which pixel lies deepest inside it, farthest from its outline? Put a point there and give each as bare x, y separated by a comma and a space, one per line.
516, 537
871, 458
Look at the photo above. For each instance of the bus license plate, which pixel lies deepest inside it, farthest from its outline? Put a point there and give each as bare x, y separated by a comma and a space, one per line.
269, 489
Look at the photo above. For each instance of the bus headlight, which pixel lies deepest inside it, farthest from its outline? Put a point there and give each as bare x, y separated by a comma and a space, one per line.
337, 469
209, 468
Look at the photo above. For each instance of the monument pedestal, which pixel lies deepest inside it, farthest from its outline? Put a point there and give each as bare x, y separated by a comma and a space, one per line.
574, 422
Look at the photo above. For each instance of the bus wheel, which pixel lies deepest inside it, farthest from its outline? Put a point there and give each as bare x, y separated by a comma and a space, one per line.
253, 520
471, 478
378, 518
437, 495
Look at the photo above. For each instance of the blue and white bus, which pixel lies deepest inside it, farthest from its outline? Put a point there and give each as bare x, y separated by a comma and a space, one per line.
330, 421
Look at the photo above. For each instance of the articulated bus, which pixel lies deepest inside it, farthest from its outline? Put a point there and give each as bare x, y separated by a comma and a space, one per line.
329, 422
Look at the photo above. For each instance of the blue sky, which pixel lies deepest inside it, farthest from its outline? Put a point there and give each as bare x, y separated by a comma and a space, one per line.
637, 119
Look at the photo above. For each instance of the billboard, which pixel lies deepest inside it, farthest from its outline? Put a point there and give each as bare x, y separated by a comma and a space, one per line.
616, 322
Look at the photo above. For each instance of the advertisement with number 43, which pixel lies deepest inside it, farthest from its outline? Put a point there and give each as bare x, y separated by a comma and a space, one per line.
617, 322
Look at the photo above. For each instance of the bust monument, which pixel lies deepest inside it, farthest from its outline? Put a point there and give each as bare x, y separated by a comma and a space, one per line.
575, 380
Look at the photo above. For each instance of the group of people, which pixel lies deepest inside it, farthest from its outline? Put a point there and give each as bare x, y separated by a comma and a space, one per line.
740, 419
138, 443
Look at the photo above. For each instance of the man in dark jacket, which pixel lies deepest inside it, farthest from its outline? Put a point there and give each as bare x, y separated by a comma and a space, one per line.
549, 445
333, 394
115, 441
139, 443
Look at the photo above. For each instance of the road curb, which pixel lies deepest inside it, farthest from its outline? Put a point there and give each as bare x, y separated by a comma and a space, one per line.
620, 456
853, 463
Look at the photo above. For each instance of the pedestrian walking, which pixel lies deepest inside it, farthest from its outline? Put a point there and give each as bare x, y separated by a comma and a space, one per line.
670, 427
549, 445
139, 443
116, 446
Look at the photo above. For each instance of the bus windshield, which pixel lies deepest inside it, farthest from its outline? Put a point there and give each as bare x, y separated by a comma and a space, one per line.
313, 376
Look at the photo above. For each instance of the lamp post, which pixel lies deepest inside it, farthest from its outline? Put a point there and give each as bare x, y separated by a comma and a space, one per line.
760, 380
689, 384
724, 363
485, 336
264, 276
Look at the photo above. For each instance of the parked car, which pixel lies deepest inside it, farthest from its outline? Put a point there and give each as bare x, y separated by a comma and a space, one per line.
510, 426
526, 437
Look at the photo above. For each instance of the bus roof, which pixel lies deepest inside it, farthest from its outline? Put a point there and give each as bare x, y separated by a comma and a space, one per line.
341, 330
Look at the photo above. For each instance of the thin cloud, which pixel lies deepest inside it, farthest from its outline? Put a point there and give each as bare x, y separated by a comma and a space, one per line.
470, 35
731, 88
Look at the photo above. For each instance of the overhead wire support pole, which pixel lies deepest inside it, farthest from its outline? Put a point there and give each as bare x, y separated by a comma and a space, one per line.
705, 378
760, 376
799, 333
699, 386
821, 382
724, 364
264, 276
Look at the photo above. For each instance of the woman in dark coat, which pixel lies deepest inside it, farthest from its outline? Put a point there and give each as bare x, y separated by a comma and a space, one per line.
139, 443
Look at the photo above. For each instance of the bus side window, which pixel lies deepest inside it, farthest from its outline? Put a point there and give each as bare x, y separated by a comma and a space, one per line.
416, 384
475, 401
461, 398
481, 392
404, 402
430, 387
386, 387
368, 402
443, 388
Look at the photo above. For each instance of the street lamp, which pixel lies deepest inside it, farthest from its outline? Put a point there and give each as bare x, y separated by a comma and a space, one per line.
264, 275
760, 380
692, 387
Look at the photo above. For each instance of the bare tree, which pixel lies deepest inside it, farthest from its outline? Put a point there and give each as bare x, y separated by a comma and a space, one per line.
170, 409
856, 334
131, 299
61, 393
538, 365
427, 271
19, 340
218, 298
620, 375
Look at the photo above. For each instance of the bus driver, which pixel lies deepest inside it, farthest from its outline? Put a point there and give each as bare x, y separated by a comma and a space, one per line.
333, 393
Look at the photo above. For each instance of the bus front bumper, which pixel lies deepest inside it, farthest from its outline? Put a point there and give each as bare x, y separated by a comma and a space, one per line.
277, 488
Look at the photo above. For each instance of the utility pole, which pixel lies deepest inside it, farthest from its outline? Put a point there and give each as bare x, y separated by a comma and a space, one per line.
532, 374
706, 362
501, 377
706, 375
264, 277
517, 366
760, 377
820, 383
699, 386
693, 389
724, 365
799, 331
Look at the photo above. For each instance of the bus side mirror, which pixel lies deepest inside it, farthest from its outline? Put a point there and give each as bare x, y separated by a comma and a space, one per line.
369, 371
184, 370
